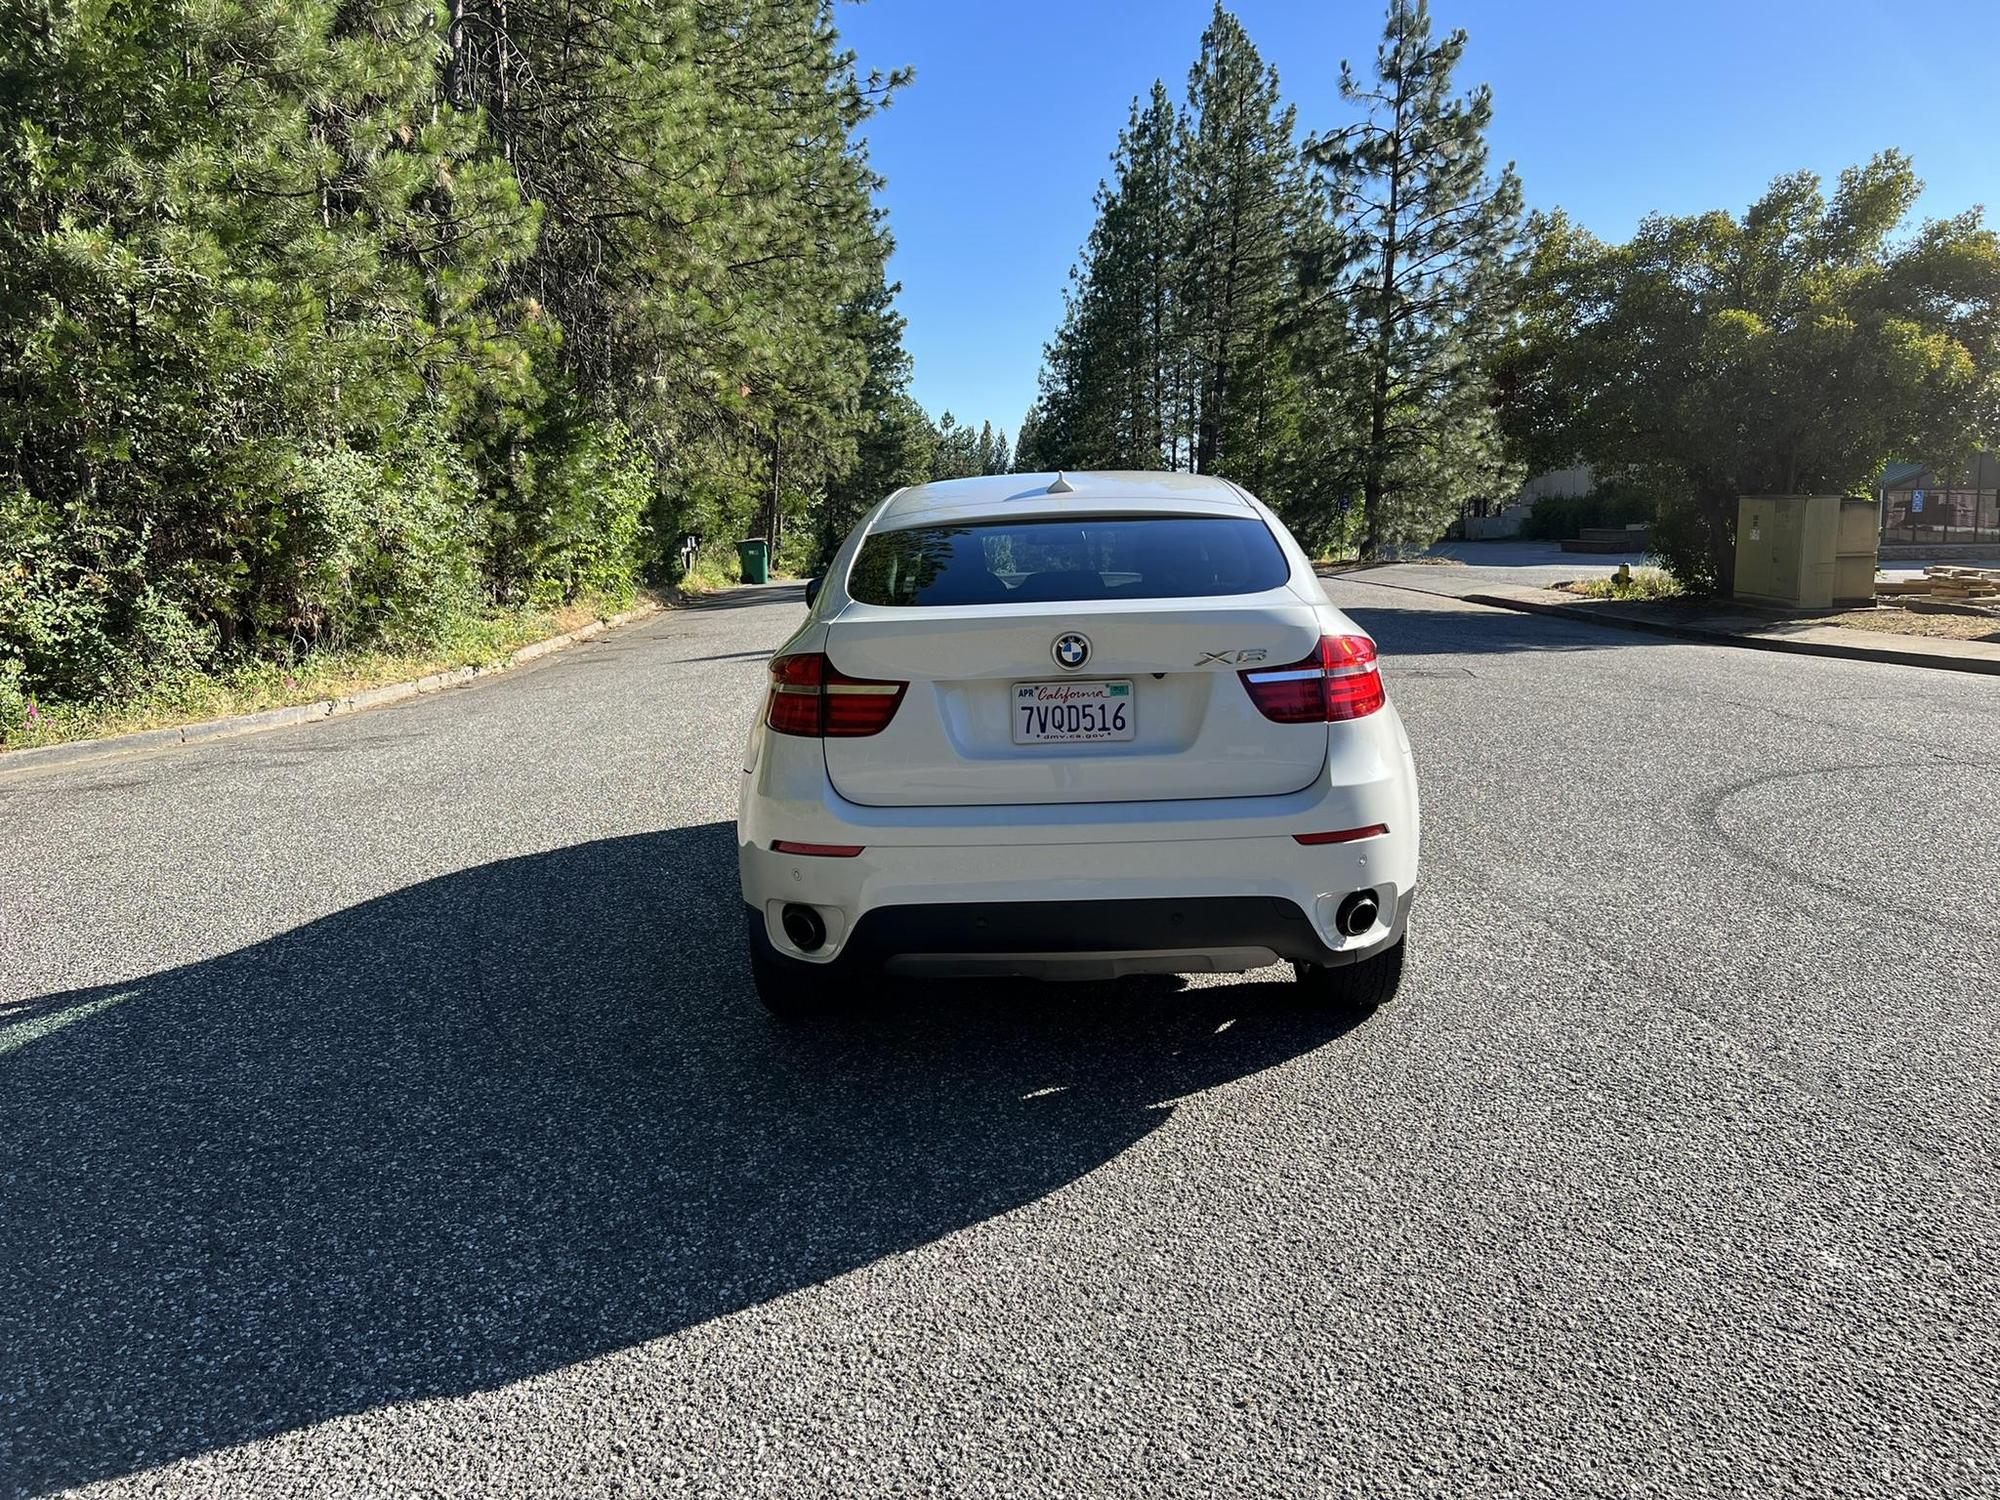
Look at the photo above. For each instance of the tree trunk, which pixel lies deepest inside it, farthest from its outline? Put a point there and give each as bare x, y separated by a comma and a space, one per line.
771, 526
454, 54
502, 67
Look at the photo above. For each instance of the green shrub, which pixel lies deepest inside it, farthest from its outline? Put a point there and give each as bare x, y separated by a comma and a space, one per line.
797, 552
371, 548
78, 621
419, 571
715, 566
591, 534
1643, 583
1688, 538
1560, 517
15, 704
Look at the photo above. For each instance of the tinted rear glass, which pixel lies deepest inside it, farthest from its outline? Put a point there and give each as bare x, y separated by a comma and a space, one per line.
1077, 557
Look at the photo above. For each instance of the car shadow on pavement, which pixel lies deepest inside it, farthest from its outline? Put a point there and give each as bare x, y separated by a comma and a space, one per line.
505, 1120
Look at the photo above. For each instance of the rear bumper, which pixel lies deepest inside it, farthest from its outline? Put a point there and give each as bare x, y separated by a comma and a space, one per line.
1096, 939
1218, 883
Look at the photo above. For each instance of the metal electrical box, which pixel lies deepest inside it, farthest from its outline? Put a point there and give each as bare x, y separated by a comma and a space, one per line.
1806, 551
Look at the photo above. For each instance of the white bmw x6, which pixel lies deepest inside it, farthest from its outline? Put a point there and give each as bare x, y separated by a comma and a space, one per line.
1075, 727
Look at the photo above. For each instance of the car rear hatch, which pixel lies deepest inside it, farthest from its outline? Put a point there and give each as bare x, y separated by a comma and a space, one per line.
1115, 698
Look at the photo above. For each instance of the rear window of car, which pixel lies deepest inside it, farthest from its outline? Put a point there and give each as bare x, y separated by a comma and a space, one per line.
1073, 558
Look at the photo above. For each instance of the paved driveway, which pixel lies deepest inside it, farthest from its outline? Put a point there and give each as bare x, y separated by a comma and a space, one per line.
383, 1111
1461, 568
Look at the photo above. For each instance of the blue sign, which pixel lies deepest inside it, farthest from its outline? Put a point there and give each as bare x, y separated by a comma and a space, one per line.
1916, 502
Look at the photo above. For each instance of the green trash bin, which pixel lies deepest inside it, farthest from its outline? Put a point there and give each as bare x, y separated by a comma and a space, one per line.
754, 553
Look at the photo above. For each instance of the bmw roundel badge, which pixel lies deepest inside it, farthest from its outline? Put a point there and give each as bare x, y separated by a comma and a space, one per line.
1071, 650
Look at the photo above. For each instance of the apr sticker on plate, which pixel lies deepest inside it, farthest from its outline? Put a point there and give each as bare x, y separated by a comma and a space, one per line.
1062, 712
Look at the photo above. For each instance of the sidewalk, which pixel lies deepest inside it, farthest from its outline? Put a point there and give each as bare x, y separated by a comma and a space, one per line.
1757, 632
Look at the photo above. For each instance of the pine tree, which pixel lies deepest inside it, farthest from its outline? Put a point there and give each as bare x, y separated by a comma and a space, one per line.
991, 452
957, 452
1427, 271
1029, 457
334, 322
707, 215
1112, 371
1242, 195
1153, 195
895, 442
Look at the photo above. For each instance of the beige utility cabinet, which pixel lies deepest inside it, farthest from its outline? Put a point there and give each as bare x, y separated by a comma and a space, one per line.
1806, 551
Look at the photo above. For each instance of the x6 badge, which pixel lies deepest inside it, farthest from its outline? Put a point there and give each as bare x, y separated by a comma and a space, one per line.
1229, 658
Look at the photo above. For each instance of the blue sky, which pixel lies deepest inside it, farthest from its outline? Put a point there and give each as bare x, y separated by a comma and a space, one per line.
1610, 109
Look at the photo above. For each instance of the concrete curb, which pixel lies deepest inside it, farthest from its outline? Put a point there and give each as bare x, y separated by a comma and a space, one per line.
77, 752
1941, 659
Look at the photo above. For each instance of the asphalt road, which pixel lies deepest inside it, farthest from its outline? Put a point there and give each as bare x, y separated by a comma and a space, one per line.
1461, 568
383, 1111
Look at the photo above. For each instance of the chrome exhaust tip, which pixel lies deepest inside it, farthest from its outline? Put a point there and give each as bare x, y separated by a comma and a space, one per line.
804, 926
1357, 913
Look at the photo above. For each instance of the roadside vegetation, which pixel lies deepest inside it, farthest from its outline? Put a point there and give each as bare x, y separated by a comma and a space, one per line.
1559, 517
1793, 349
252, 684
1358, 323
333, 332
365, 333
1634, 583
1312, 316
1656, 585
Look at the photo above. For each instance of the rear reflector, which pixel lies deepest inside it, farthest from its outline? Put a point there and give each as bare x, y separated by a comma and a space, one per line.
1338, 681
1343, 835
810, 696
823, 851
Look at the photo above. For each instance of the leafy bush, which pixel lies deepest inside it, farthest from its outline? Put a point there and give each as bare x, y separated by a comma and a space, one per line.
78, 620
592, 534
1560, 517
797, 553
1643, 583
15, 705
370, 548
419, 566
1689, 537
715, 566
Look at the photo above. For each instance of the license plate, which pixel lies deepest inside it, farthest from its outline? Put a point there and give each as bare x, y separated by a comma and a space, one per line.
1048, 713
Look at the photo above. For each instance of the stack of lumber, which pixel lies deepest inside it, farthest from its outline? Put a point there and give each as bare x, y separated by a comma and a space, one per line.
1947, 585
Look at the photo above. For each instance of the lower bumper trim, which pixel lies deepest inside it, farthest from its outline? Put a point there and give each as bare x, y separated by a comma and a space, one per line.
1052, 931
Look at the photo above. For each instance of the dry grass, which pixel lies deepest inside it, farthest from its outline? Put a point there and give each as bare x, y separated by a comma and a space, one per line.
257, 686
1942, 627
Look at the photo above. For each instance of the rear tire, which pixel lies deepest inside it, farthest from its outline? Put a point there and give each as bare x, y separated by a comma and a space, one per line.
1358, 988
790, 988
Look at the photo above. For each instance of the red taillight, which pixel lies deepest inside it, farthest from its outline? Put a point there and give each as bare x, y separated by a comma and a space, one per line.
812, 697
1338, 681
1343, 835
795, 696
822, 851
